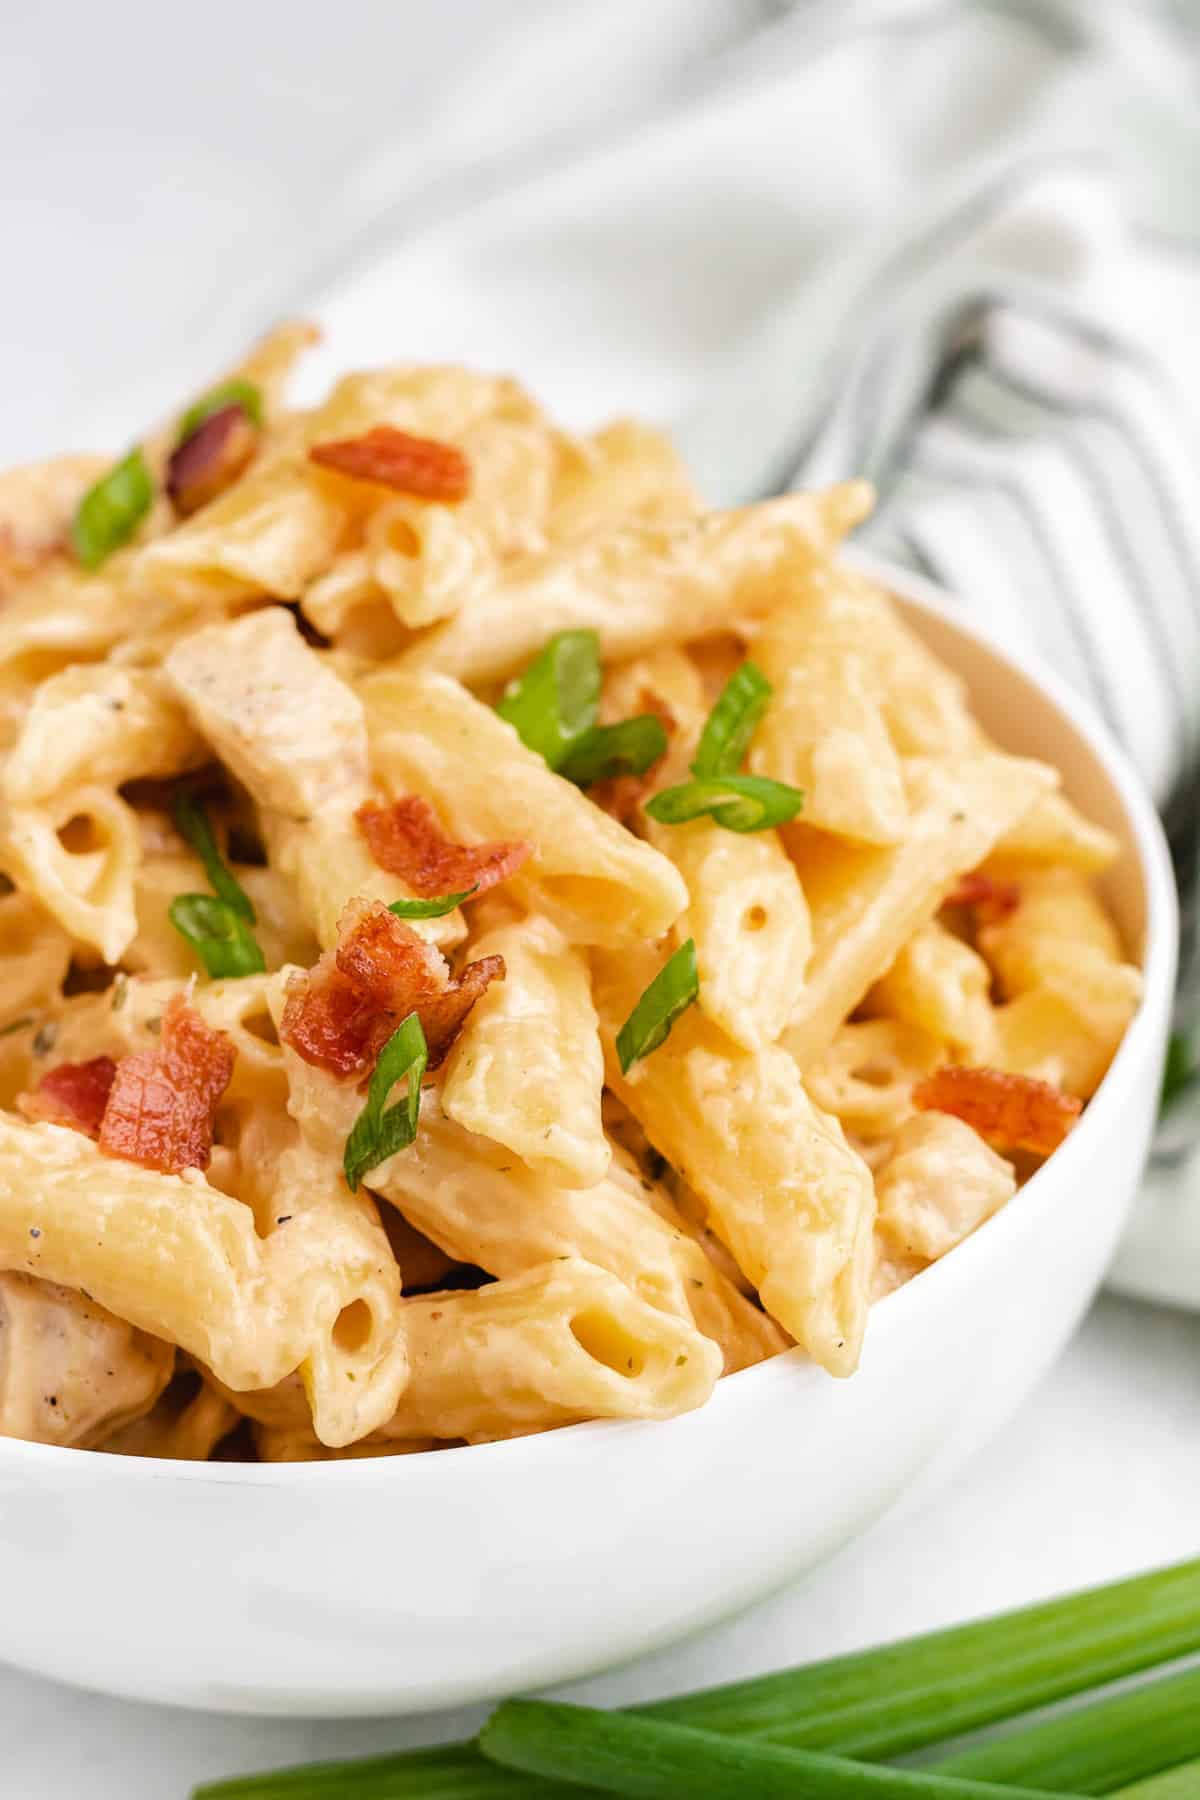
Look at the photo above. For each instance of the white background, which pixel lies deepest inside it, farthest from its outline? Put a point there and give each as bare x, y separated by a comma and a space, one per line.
171, 179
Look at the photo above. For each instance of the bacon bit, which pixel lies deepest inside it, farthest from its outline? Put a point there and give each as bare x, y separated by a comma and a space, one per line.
211, 459
73, 1094
993, 900
341, 1013
161, 1107
421, 466
1013, 1110
621, 795
406, 840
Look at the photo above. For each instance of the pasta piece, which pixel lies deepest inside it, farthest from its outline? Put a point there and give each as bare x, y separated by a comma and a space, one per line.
939, 1184
78, 855
867, 1075
528, 1070
473, 1198
942, 986
345, 587
185, 1424
784, 1190
556, 1345
867, 903
37, 504
71, 1373
1054, 831
824, 729
1041, 1035
97, 724
293, 733
746, 908
180, 1260
595, 881
35, 953
638, 585
625, 470
425, 559
1060, 938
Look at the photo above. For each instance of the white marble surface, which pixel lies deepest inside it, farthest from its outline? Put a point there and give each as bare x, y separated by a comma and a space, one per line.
1096, 1478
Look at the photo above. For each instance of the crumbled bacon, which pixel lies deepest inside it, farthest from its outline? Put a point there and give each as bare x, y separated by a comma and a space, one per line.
211, 458
406, 840
73, 1094
341, 1013
990, 898
424, 467
620, 795
162, 1103
1012, 1110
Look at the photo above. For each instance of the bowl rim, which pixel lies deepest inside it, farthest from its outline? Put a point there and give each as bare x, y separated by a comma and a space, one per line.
1158, 967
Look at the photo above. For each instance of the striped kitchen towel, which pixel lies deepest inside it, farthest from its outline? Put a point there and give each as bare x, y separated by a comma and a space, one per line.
953, 245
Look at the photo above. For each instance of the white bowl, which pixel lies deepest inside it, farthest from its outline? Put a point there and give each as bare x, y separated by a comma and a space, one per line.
424, 1581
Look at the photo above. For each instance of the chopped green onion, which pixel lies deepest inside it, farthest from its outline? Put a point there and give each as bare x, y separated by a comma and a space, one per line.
554, 703
378, 1134
874, 1703
235, 392
732, 722
1174, 1784
111, 510
620, 1753
219, 936
453, 1772
1179, 1071
191, 820
629, 748
1095, 1748
738, 802
436, 908
670, 993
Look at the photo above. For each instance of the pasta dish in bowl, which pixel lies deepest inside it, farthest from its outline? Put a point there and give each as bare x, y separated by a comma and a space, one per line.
489, 945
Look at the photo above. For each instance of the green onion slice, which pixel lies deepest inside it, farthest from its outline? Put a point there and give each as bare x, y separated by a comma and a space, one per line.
554, 703
732, 722
111, 510
629, 748
235, 392
738, 802
378, 1134
219, 935
671, 992
436, 908
1180, 1069
191, 821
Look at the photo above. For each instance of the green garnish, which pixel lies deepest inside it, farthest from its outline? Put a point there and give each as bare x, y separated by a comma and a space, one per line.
378, 1134
629, 748
1096, 1748
553, 708
235, 392
732, 722
191, 821
876, 1703
111, 510
554, 703
436, 908
219, 935
619, 1753
15, 1025
1179, 1070
738, 802
670, 993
